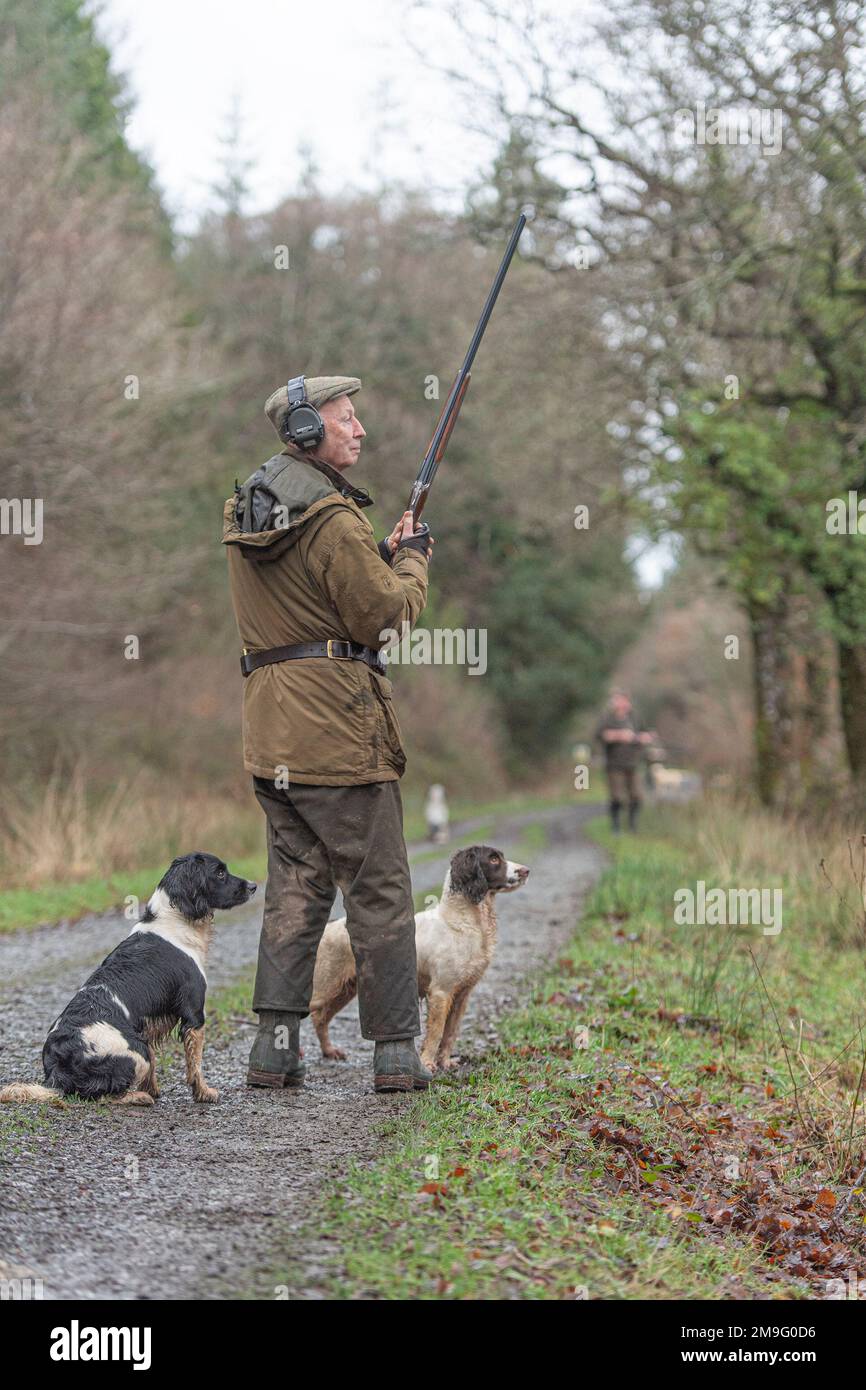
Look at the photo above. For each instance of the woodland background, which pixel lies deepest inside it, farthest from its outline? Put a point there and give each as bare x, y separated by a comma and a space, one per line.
655, 270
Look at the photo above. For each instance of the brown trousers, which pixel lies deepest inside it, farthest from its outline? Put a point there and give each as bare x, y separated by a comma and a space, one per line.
624, 784
321, 838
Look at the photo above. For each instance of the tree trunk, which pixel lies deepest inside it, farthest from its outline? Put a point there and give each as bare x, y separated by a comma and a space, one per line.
791, 700
852, 700
770, 718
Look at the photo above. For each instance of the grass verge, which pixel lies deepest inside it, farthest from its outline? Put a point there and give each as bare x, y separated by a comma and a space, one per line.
673, 1114
54, 902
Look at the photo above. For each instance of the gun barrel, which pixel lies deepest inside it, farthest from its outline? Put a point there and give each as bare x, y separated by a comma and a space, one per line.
457, 392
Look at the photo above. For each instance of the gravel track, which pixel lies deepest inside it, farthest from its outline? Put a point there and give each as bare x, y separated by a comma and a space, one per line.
190, 1201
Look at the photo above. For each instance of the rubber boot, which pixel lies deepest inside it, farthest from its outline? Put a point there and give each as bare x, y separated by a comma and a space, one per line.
633, 808
276, 1056
397, 1067
614, 816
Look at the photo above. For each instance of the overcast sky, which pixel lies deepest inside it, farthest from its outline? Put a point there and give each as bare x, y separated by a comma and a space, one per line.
339, 76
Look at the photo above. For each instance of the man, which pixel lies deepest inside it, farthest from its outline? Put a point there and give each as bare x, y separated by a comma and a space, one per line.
312, 594
623, 752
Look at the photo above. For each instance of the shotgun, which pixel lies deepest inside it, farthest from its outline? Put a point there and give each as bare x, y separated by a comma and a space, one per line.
451, 409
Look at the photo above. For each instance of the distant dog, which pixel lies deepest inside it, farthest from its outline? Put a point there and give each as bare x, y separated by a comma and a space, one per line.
455, 942
103, 1045
436, 814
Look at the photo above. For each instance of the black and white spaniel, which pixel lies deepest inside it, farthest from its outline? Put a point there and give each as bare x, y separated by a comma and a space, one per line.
103, 1045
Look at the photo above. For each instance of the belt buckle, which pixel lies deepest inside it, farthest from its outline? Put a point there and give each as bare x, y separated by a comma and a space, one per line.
331, 641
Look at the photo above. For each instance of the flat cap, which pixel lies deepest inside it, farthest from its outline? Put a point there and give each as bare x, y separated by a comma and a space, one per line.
319, 389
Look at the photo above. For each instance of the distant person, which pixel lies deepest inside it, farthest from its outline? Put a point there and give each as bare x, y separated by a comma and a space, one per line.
624, 749
436, 812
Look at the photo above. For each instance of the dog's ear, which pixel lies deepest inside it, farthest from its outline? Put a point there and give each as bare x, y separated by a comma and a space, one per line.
186, 886
467, 875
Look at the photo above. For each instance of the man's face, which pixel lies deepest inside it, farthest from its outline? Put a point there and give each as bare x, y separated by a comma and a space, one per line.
621, 706
341, 445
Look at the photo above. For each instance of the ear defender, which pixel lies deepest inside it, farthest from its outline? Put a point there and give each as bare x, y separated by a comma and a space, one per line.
304, 426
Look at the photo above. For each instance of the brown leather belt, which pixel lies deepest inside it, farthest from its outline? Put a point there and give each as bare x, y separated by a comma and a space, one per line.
336, 650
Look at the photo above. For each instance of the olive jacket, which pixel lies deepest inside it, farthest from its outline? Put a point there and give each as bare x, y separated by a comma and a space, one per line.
320, 574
